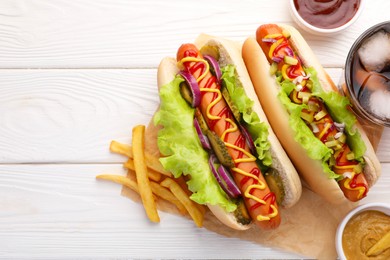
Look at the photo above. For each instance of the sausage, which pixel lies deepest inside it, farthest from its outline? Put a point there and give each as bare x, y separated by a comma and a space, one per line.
259, 200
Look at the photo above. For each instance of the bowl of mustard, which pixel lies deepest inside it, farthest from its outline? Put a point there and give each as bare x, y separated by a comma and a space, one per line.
364, 233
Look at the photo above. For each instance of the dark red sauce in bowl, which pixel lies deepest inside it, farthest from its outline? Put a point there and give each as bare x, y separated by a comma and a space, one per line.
327, 14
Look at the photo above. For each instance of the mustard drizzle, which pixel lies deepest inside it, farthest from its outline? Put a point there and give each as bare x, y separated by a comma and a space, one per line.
250, 158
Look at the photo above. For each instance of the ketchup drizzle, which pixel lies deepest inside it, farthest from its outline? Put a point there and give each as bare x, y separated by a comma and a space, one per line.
225, 113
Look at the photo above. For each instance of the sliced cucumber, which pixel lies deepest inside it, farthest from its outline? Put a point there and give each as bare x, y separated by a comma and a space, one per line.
275, 184
290, 60
210, 50
202, 122
220, 149
236, 113
241, 213
186, 93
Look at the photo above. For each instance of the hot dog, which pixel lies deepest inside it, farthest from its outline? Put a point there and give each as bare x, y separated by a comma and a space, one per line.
312, 121
223, 107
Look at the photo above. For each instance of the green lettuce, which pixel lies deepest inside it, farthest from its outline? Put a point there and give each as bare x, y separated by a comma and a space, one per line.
178, 142
337, 106
257, 129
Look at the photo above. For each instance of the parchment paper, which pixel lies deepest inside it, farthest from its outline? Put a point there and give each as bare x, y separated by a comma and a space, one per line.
307, 229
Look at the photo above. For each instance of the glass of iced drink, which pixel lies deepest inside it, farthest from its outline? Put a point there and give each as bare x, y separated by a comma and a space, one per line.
367, 75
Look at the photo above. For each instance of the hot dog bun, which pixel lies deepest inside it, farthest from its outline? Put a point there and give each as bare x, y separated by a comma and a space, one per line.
230, 53
267, 90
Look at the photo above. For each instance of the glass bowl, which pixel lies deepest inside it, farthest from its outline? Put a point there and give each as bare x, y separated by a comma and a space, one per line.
368, 91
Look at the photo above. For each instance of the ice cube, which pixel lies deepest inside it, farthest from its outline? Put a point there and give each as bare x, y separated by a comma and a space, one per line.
379, 103
375, 52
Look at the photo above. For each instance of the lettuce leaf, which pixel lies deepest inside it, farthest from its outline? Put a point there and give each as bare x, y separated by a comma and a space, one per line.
337, 106
178, 142
257, 129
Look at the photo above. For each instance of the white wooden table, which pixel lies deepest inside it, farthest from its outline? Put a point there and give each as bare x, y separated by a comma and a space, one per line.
75, 75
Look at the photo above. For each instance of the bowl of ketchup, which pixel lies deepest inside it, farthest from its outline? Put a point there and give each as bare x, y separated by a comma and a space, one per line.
325, 16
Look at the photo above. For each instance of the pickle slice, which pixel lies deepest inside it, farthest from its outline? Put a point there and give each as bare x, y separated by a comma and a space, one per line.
241, 213
186, 93
275, 184
202, 122
236, 113
220, 149
210, 50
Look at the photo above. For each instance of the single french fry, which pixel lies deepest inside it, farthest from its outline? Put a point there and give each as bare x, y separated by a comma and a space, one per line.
380, 246
154, 164
123, 149
167, 195
183, 184
153, 175
138, 142
129, 164
180, 194
120, 180
151, 161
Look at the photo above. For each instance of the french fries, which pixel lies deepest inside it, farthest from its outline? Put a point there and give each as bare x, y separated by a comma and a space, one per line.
152, 181
175, 188
120, 180
167, 195
153, 175
157, 189
152, 162
142, 174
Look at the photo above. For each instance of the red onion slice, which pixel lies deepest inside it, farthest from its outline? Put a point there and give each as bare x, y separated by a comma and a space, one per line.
289, 51
277, 59
202, 137
249, 140
231, 187
271, 40
215, 66
193, 86
224, 178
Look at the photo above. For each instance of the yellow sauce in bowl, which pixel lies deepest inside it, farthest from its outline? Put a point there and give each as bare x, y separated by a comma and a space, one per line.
362, 232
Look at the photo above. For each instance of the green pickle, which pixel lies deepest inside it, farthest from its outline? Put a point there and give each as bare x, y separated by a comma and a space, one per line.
211, 51
241, 213
275, 184
186, 93
236, 113
220, 149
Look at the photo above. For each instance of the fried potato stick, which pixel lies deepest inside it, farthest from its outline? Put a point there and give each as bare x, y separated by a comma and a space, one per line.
179, 193
120, 180
153, 175
141, 171
151, 161
157, 189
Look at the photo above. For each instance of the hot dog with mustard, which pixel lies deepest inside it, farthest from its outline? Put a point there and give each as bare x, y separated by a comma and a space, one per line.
312, 121
215, 132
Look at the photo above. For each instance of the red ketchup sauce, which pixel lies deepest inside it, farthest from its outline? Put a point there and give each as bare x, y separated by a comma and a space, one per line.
327, 14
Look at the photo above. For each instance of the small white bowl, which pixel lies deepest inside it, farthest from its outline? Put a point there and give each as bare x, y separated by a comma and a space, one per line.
321, 31
382, 207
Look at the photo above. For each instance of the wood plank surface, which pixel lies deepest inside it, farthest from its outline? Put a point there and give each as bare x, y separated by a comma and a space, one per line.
61, 211
123, 34
75, 75
70, 116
